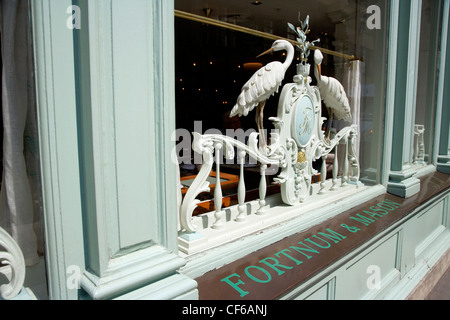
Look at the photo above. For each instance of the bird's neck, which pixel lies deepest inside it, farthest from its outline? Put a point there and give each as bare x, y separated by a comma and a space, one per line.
289, 59
316, 72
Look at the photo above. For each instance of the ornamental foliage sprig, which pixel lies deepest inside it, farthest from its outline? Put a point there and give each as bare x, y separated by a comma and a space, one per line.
302, 32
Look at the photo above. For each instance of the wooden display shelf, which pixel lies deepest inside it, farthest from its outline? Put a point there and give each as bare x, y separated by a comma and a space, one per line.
227, 181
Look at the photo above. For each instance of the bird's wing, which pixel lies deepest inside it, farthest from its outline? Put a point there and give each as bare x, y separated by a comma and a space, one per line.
334, 97
264, 83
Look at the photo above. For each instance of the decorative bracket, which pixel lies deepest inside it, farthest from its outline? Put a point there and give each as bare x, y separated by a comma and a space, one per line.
304, 141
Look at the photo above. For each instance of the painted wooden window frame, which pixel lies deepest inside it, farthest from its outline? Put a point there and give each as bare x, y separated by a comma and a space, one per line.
442, 130
402, 181
56, 101
108, 213
80, 85
401, 101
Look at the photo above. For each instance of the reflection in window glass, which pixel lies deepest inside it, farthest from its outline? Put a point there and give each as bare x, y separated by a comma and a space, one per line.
20, 177
213, 63
426, 82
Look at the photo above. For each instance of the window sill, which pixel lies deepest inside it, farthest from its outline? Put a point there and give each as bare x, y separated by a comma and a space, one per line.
435, 186
220, 247
423, 170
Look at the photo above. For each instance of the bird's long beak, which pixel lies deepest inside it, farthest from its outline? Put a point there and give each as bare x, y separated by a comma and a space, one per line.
266, 52
319, 68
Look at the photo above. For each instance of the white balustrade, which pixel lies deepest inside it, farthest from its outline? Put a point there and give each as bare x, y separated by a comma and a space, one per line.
212, 146
206, 145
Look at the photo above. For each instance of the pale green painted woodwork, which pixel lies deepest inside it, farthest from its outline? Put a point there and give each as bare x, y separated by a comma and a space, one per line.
427, 227
320, 294
106, 114
126, 119
430, 108
411, 80
135, 126
116, 131
399, 257
355, 283
380, 110
401, 85
55, 90
402, 183
390, 90
444, 144
441, 131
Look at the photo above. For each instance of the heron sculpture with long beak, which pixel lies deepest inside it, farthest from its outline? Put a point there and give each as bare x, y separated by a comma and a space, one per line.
263, 84
332, 93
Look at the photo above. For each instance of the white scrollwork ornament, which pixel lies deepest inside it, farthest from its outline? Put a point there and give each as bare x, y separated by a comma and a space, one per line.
204, 144
14, 258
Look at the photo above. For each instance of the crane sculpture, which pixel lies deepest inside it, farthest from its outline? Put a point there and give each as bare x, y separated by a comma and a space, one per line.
332, 93
263, 84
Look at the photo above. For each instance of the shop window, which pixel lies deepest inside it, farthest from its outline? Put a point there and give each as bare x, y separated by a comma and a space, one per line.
431, 18
214, 60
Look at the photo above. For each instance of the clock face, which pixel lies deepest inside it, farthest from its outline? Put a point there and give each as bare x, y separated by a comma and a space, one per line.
303, 124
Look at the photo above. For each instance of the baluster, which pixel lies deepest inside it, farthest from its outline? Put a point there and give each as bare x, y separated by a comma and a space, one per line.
323, 175
421, 146
354, 164
218, 191
335, 169
416, 144
416, 147
241, 190
262, 190
345, 165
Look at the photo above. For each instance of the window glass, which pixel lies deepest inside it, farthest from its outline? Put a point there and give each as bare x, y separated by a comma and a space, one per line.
213, 63
431, 18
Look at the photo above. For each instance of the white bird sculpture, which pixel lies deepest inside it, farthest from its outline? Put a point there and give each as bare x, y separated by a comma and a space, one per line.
263, 84
332, 93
